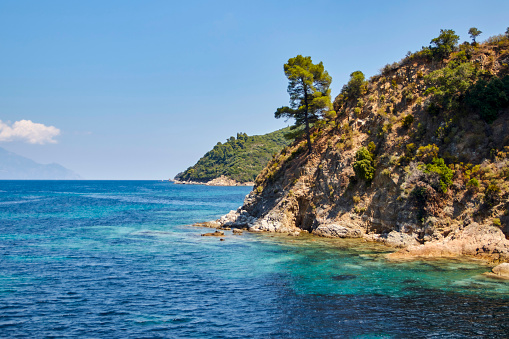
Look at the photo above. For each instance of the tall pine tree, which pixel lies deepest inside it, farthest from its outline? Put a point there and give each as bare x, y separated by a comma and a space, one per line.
309, 92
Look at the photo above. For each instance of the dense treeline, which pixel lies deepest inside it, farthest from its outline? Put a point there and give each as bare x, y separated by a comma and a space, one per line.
240, 158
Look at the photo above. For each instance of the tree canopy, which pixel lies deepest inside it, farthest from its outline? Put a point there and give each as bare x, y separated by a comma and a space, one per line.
474, 33
240, 158
445, 43
309, 92
355, 87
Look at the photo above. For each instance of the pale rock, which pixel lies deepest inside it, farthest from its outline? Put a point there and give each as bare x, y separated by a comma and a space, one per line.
397, 239
337, 231
502, 270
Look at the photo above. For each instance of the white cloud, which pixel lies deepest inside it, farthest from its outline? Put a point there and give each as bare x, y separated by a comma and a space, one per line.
28, 131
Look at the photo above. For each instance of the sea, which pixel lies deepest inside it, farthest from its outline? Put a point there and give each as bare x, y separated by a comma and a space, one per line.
120, 259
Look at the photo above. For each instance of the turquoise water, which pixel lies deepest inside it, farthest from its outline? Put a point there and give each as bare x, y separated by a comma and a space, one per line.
118, 259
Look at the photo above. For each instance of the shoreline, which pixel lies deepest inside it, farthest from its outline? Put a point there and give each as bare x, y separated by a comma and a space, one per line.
453, 249
220, 181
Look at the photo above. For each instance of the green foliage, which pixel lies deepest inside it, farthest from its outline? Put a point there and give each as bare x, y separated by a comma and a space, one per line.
474, 33
445, 174
408, 120
496, 222
473, 183
309, 92
240, 158
488, 97
449, 83
444, 44
355, 87
364, 165
492, 194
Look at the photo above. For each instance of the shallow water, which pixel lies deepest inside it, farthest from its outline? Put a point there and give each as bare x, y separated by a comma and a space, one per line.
115, 258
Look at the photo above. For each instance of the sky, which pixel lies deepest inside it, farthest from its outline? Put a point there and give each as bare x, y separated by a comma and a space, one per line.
142, 89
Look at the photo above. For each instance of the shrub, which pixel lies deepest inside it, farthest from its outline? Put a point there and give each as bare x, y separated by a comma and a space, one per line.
445, 173
356, 199
473, 183
444, 44
356, 86
449, 83
488, 97
496, 222
491, 195
364, 165
427, 153
408, 120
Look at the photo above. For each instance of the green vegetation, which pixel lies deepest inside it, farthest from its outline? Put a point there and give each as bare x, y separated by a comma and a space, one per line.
355, 87
408, 120
488, 97
448, 84
240, 158
364, 165
474, 33
309, 94
443, 45
444, 173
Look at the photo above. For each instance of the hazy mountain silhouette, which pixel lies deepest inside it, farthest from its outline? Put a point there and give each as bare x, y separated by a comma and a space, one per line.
13, 166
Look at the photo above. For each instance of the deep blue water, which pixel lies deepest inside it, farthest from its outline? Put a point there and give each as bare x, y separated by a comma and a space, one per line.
118, 259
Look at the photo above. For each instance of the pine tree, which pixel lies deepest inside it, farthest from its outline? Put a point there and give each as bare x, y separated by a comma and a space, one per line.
309, 93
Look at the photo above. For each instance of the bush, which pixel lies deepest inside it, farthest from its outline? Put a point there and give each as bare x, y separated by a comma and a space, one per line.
355, 87
488, 97
449, 83
364, 165
445, 173
491, 195
473, 183
444, 44
427, 153
496, 222
408, 120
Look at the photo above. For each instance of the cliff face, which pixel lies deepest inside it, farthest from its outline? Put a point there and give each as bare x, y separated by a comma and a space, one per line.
411, 162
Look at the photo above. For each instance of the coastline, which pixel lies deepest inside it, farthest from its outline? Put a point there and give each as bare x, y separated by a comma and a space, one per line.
476, 242
220, 181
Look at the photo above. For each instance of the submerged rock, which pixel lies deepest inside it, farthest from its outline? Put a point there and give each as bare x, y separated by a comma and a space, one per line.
214, 234
502, 270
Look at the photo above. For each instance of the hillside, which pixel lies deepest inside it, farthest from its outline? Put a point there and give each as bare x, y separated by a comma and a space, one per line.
240, 159
13, 166
417, 157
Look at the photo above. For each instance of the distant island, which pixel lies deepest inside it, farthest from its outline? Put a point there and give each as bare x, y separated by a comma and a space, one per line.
237, 161
16, 167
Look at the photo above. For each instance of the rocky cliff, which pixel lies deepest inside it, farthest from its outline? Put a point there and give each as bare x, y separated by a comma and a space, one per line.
414, 161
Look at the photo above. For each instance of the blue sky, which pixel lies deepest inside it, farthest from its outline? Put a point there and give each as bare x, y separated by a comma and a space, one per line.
142, 89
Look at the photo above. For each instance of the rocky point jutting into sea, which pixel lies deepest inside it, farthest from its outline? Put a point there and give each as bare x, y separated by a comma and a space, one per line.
435, 142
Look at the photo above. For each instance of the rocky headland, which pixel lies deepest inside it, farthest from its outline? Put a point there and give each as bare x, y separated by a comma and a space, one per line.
408, 162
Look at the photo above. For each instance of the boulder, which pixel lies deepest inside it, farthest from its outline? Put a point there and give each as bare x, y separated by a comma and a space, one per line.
502, 270
338, 231
398, 239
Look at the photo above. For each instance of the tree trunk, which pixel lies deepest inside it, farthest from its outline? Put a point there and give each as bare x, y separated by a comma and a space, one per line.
306, 119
